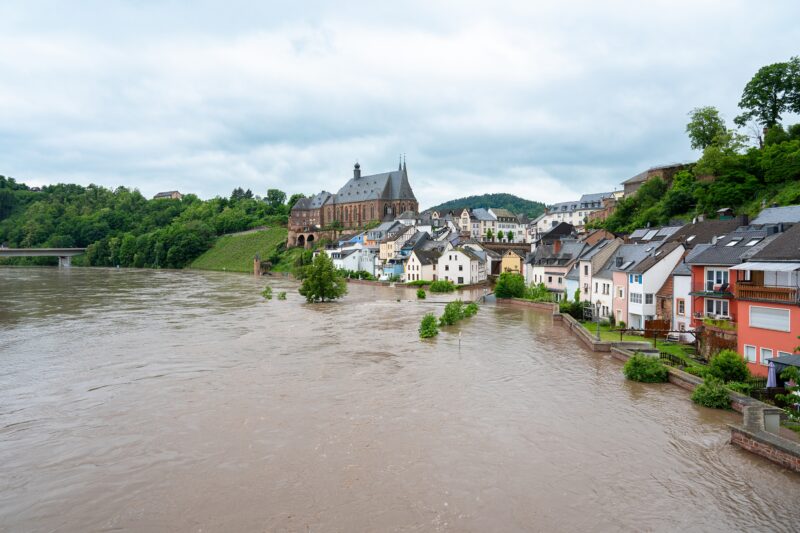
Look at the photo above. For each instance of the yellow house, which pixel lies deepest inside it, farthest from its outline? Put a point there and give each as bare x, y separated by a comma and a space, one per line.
511, 262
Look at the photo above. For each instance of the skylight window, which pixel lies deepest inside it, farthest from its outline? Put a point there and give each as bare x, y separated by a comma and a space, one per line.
753, 242
690, 238
734, 242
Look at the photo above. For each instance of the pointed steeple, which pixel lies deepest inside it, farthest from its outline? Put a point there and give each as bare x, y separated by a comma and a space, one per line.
400, 163
405, 171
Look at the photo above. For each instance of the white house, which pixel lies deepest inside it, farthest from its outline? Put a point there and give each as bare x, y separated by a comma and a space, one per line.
603, 296
591, 262
461, 266
353, 258
647, 277
421, 265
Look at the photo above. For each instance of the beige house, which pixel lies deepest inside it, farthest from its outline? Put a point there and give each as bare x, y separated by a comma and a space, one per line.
421, 265
392, 244
512, 262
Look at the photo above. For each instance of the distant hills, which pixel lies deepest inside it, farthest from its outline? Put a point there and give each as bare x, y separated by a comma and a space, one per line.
515, 204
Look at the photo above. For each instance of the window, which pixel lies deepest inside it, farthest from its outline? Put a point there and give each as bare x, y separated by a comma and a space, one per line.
715, 277
783, 354
733, 242
681, 307
460, 280
585, 270
636, 298
716, 307
460, 268
766, 353
753, 242
595, 287
620, 292
549, 279
648, 298
749, 353
447, 267
769, 318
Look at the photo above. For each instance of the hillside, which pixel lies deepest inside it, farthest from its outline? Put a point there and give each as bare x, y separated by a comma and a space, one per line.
515, 204
235, 253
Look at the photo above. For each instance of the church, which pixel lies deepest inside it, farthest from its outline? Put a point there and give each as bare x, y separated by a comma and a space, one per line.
361, 201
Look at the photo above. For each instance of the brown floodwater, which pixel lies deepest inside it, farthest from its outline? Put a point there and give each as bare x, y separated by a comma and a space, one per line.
182, 401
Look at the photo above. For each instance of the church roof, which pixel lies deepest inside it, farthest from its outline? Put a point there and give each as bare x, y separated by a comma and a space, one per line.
386, 186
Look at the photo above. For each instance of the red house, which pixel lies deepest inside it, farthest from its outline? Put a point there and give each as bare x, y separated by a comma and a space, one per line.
767, 290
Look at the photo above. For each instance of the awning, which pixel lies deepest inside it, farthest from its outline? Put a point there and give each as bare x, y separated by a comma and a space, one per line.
768, 267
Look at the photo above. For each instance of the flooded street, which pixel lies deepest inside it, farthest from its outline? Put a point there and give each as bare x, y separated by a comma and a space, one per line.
183, 401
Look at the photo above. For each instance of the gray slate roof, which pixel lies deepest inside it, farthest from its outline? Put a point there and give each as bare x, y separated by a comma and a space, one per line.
775, 215
482, 214
630, 253
738, 251
388, 185
428, 257
684, 268
785, 247
703, 232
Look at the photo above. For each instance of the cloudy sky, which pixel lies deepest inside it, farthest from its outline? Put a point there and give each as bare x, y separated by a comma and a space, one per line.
546, 100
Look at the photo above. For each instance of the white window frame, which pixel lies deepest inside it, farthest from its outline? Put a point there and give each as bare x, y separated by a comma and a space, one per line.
755, 353
714, 301
763, 357
716, 273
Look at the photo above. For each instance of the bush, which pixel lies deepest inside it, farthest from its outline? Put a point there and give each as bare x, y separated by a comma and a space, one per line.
442, 285
538, 293
573, 309
453, 312
699, 371
645, 369
470, 310
741, 388
282, 295
510, 285
621, 324
712, 393
428, 327
421, 294
728, 365
418, 283
267, 293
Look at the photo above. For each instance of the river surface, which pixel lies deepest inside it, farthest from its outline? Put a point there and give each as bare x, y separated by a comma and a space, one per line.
182, 401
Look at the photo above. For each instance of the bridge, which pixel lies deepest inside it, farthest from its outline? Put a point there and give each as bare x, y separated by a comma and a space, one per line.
64, 254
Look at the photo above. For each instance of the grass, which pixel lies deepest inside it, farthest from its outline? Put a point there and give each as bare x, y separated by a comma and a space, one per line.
608, 334
288, 258
234, 253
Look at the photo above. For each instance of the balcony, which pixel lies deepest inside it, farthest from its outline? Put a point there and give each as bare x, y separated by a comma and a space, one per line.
749, 291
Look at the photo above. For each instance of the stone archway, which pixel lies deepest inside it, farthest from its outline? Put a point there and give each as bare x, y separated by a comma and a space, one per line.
301, 241
309, 241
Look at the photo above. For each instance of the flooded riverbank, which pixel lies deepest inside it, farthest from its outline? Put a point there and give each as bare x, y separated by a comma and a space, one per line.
157, 400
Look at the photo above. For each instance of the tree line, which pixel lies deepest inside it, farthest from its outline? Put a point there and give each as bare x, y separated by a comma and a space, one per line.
122, 227
736, 170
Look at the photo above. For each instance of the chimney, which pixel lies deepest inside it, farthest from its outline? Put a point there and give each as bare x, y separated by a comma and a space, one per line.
557, 246
745, 220
357, 171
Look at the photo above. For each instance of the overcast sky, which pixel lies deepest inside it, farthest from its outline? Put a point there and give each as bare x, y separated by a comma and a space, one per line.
546, 100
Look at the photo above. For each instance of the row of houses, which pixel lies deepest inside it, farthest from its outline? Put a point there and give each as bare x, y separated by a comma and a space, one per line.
727, 276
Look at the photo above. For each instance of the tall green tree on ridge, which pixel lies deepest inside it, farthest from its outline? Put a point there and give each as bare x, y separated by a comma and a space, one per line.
705, 127
773, 90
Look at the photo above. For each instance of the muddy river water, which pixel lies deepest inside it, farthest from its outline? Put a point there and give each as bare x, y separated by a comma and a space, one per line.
183, 401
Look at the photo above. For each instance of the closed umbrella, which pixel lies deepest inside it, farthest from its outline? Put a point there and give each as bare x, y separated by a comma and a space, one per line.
772, 379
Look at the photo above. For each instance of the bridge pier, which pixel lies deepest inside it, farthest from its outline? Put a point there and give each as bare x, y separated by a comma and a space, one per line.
64, 261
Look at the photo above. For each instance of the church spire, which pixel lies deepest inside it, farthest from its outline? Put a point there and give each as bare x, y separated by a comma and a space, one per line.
400, 163
404, 164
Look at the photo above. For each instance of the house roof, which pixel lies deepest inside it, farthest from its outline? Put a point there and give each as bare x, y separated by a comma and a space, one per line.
775, 215
683, 268
653, 234
594, 250
785, 247
546, 255
482, 214
165, 194
574, 273
427, 257
416, 240
469, 253
407, 215
594, 200
630, 254
654, 256
735, 247
561, 229
704, 232
388, 186
505, 213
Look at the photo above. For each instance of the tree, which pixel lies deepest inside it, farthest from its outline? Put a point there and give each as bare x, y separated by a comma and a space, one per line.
774, 90
428, 327
322, 281
275, 198
293, 200
510, 236
489, 234
500, 235
704, 126
510, 285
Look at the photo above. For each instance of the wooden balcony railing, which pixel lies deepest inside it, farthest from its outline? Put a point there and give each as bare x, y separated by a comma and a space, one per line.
748, 291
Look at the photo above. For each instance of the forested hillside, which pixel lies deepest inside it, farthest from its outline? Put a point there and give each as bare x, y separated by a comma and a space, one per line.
515, 204
738, 171
122, 227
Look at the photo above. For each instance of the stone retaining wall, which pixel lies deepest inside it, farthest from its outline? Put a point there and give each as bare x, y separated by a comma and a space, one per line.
753, 437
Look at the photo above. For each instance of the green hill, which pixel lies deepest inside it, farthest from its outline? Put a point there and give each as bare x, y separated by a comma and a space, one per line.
235, 253
515, 204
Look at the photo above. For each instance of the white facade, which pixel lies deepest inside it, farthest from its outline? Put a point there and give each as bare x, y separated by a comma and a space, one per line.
461, 269
603, 296
354, 258
416, 271
682, 304
642, 288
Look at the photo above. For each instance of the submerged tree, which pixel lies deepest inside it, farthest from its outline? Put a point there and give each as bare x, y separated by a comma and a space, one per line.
322, 281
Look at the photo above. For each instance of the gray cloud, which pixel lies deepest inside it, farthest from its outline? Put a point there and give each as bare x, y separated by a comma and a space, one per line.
544, 101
